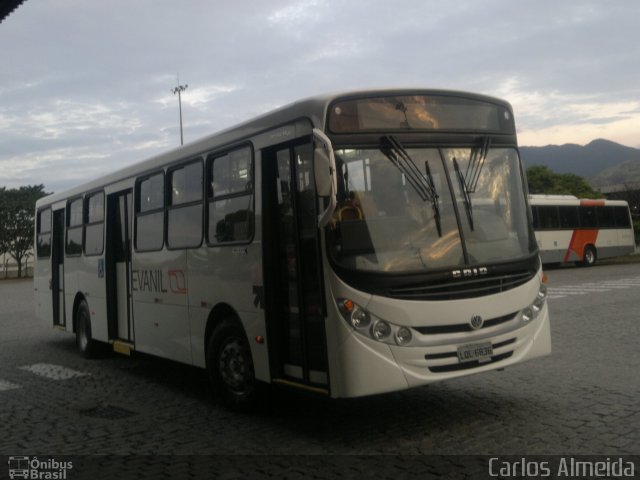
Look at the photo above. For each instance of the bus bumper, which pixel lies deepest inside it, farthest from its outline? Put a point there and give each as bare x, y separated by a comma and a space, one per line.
425, 365
369, 367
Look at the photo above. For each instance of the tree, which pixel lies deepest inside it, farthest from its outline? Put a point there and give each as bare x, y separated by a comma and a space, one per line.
17, 208
542, 180
631, 194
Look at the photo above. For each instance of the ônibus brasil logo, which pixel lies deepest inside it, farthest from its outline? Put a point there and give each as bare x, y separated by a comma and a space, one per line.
36, 469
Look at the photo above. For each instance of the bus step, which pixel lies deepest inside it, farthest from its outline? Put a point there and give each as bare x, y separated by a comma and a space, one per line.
302, 386
122, 347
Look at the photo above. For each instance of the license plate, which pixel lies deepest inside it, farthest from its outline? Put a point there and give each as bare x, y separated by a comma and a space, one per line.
476, 352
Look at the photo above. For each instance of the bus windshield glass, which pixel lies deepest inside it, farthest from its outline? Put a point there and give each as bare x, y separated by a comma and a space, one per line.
443, 210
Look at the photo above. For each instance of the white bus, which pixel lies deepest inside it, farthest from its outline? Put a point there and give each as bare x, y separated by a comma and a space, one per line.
346, 245
569, 229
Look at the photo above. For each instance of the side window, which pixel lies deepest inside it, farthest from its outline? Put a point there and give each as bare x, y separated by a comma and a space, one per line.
568, 217
534, 217
621, 215
548, 217
230, 197
184, 214
74, 227
94, 228
150, 213
605, 217
588, 217
43, 247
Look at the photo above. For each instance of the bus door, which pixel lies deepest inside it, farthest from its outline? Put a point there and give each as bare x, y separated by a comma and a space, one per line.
292, 269
118, 266
57, 267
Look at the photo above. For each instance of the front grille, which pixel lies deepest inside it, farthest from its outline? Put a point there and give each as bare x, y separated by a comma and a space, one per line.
458, 289
456, 366
464, 327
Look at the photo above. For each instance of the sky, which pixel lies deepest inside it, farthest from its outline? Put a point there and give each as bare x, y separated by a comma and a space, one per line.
86, 85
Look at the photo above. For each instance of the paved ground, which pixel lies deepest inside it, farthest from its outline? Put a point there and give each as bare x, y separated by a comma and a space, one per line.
581, 400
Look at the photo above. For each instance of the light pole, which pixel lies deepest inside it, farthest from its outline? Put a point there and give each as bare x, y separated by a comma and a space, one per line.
179, 89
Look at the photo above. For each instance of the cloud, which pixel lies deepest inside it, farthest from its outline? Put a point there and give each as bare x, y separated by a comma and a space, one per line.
296, 14
86, 86
556, 117
198, 97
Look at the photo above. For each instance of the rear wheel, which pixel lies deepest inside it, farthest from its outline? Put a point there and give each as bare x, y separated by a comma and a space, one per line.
230, 366
590, 256
87, 346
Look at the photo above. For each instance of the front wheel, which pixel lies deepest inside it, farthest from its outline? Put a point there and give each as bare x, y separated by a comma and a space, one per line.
87, 346
230, 366
590, 256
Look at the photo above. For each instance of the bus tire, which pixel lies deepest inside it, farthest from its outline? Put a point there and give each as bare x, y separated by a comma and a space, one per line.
87, 346
590, 256
230, 366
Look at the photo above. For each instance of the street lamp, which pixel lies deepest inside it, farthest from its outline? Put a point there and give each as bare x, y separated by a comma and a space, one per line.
179, 89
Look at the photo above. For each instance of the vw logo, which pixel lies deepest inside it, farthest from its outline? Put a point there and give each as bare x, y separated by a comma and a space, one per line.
476, 322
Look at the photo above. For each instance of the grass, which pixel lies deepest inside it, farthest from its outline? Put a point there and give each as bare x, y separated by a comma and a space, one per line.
632, 258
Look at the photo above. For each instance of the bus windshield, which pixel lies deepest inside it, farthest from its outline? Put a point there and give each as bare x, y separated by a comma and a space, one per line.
421, 209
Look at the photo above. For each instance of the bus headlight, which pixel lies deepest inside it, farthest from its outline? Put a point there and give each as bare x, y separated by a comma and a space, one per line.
363, 322
531, 312
380, 330
403, 336
542, 293
360, 318
538, 303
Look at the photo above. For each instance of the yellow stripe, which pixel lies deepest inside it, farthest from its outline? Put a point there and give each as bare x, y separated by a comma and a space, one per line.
122, 347
302, 386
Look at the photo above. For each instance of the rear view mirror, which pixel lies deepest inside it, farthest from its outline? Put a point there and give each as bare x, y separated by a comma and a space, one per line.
324, 169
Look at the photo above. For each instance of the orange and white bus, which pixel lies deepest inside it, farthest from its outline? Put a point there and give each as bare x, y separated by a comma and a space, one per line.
569, 229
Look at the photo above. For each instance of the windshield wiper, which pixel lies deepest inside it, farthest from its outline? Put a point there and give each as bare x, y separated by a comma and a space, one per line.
434, 198
469, 180
476, 162
466, 194
424, 187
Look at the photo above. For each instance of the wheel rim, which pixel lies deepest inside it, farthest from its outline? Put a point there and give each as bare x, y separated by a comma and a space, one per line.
83, 339
589, 256
234, 366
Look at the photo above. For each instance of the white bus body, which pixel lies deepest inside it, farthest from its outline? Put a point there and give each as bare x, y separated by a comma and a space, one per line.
214, 255
569, 229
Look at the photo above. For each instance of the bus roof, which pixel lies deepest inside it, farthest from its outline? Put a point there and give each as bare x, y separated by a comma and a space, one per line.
313, 108
571, 200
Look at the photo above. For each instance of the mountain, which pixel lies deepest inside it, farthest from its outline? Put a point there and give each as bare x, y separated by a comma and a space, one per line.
601, 162
626, 173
